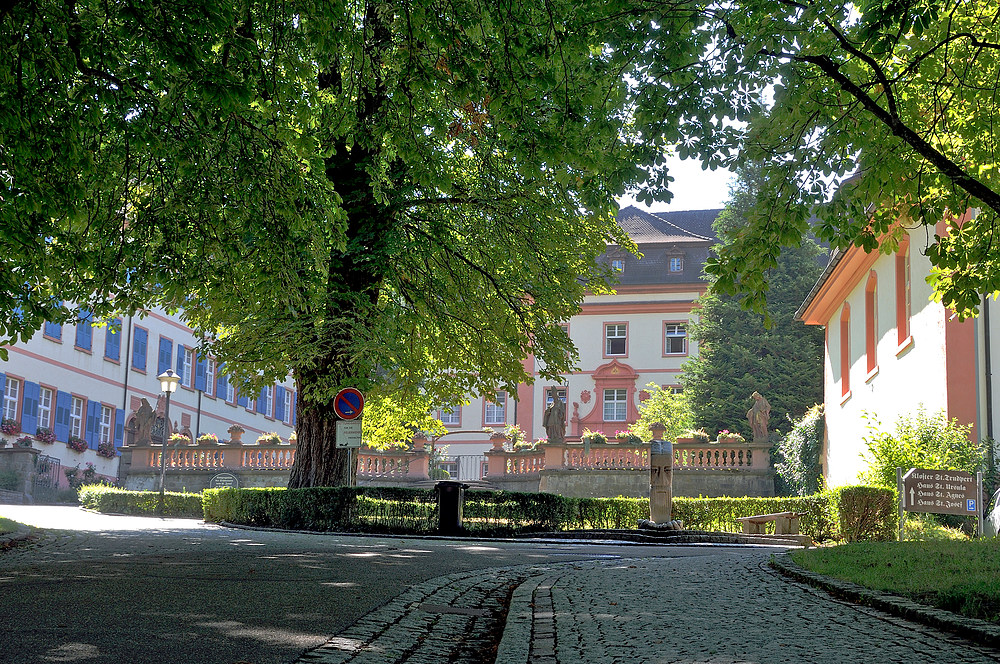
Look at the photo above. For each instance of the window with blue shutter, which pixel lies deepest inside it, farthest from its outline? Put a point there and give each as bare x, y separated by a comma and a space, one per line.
279, 403
93, 425
119, 426
53, 330
165, 354
113, 340
64, 402
139, 349
29, 408
222, 385
294, 409
199, 373
84, 331
262, 403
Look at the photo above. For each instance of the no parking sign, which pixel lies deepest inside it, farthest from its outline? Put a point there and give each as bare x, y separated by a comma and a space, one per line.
348, 403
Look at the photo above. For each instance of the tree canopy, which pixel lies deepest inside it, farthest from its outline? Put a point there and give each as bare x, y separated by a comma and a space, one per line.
868, 114
403, 197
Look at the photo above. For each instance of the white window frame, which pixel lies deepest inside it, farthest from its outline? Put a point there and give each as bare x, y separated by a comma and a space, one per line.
268, 401
106, 428
11, 399
679, 331
76, 417
450, 415
614, 332
44, 407
618, 264
675, 263
615, 404
210, 376
187, 363
288, 406
230, 396
496, 410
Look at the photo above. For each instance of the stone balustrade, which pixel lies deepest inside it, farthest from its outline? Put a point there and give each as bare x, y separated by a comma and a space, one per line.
214, 457
393, 464
721, 456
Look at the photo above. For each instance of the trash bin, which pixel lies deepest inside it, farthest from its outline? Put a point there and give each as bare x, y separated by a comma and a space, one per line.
451, 495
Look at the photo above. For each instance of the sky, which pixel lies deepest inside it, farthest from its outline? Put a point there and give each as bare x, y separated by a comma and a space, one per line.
693, 188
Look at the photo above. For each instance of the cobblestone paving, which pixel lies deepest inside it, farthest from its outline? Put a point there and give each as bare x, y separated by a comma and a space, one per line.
720, 609
726, 609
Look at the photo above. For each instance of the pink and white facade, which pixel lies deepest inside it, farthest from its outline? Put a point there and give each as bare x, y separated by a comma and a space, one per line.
637, 336
84, 381
890, 349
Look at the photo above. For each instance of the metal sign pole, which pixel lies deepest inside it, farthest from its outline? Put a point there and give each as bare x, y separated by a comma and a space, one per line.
979, 501
902, 500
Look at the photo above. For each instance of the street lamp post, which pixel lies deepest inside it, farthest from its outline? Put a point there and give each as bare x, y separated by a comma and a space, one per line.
168, 384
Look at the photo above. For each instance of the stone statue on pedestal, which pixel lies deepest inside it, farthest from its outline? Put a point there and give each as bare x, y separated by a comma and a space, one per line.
554, 419
758, 415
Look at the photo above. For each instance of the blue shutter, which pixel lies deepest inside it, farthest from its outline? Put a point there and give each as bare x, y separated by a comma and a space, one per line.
93, 423
29, 408
119, 426
221, 384
64, 404
200, 368
260, 402
3, 386
84, 331
181, 351
166, 352
113, 340
279, 403
139, 349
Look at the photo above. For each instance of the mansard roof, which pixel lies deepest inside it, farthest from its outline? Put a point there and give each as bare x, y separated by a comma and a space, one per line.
654, 227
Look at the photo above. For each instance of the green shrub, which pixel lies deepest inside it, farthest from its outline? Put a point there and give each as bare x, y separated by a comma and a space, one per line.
112, 500
351, 509
797, 456
818, 520
920, 441
868, 513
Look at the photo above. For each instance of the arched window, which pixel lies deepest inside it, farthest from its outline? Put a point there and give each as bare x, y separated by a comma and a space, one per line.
845, 350
871, 321
903, 291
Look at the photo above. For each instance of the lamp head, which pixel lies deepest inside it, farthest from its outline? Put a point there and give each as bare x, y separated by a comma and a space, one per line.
168, 381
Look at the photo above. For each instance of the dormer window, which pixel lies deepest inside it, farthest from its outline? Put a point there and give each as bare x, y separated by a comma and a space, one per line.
618, 265
676, 263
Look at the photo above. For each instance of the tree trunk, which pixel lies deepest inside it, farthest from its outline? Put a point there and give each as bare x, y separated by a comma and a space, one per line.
318, 462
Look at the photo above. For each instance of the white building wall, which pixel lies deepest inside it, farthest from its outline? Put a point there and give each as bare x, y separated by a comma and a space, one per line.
906, 378
59, 365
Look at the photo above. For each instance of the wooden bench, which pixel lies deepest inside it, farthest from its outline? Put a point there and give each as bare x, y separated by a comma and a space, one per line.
785, 523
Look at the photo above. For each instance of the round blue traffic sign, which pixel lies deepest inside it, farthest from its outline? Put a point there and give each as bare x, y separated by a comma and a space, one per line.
348, 403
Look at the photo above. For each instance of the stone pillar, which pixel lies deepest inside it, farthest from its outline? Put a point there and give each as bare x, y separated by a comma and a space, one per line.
661, 472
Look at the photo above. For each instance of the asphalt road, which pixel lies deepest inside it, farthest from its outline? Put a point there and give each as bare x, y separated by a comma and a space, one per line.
101, 589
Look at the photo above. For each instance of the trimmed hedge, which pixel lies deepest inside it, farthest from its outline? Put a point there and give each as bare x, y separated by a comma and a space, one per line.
112, 500
819, 513
860, 512
868, 514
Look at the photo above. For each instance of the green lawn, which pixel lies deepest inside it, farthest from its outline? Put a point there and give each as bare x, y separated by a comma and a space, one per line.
7, 526
954, 575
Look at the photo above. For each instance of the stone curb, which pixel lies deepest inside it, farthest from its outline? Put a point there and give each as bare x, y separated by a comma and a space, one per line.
979, 631
610, 538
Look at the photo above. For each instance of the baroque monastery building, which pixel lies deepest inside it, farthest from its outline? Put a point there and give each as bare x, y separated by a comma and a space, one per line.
637, 336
